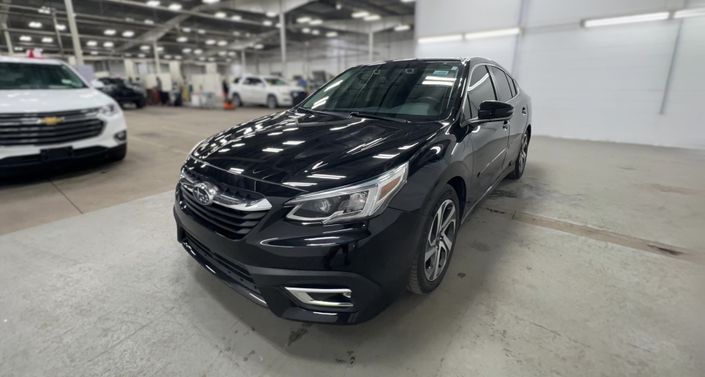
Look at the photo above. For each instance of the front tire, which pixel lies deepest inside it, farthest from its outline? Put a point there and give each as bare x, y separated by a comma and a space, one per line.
520, 162
272, 102
436, 246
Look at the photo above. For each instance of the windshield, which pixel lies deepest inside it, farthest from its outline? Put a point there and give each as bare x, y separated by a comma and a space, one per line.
274, 81
412, 90
38, 76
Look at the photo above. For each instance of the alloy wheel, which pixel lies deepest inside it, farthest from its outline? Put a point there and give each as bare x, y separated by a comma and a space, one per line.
440, 240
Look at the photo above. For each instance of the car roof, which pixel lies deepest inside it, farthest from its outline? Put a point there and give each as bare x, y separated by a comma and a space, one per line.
14, 59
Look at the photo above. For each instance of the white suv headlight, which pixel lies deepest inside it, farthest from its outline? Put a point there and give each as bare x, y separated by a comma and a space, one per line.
348, 203
109, 110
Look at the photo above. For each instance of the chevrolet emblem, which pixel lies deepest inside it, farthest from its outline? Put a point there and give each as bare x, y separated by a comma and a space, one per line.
51, 121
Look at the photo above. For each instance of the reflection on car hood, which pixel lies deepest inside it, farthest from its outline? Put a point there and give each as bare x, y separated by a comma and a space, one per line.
50, 100
312, 152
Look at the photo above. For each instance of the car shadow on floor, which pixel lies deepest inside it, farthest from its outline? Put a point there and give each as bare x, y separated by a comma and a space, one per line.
411, 325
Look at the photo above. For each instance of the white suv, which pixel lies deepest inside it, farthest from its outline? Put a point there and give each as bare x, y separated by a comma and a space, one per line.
48, 114
265, 90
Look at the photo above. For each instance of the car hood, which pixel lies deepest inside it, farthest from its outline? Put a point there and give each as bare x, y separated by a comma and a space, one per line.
50, 100
312, 152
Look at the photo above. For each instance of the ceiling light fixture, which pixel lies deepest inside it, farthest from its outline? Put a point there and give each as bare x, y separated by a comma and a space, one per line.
186, 50
91, 43
315, 32
492, 33
47, 40
360, 14
315, 22
175, 6
236, 17
149, 22
685, 13
182, 39
402, 27
25, 38
109, 32
259, 46
306, 30
441, 38
186, 30
658, 16
60, 27
141, 55
153, 3
144, 48
222, 43
94, 52
128, 33
372, 17
332, 34
210, 1
271, 14
220, 15
267, 23
44, 10
210, 42
108, 44
198, 51
35, 24
201, 31
303, 20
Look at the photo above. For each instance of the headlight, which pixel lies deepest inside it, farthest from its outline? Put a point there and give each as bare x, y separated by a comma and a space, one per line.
351, 202
109, 110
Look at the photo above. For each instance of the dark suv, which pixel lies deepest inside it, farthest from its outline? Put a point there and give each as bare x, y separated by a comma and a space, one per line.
326, 212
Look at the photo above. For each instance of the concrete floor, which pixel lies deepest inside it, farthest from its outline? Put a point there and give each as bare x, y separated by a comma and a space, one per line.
590, 265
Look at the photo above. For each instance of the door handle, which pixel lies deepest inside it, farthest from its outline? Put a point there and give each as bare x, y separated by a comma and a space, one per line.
505, 127
523, 110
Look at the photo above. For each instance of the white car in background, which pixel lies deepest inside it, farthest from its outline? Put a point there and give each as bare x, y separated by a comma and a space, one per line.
49, 114
265, 90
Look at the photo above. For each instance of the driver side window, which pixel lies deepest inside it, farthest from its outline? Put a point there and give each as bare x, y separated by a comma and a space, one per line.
480, 89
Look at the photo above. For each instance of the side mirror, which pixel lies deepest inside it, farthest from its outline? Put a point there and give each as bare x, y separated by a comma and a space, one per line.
492, 111
98, 84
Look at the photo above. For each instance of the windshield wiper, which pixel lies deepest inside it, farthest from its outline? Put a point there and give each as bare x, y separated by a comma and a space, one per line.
311, 111
361, 114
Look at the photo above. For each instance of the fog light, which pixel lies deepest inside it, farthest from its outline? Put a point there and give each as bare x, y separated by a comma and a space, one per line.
329, 297
121, 136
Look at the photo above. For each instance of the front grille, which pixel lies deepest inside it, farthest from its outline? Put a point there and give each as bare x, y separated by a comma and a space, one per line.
234, 271
226, 221
49, 128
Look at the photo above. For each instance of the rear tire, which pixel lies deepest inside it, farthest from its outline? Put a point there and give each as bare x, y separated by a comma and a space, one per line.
140, 104
520, 162
236, 100
436, 245
272, 102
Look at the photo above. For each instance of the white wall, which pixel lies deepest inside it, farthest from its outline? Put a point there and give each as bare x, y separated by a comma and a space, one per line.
597, 84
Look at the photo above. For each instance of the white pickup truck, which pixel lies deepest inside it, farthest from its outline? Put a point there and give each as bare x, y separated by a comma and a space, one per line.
48, 114
265, 90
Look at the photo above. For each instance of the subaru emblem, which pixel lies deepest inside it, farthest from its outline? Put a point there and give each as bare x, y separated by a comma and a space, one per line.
204, 193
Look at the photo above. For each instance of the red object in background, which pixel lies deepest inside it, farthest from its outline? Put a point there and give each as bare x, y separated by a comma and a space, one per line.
33, 53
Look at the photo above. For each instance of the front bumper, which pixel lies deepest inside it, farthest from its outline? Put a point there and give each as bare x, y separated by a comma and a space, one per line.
372, 261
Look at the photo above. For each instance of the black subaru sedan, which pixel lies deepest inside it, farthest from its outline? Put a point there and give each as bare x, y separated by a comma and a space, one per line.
328, 211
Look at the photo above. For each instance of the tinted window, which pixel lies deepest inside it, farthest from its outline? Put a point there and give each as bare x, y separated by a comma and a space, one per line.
38, 76
253, 81
237, 80
511, 85
480, 89
501, 84
413, 90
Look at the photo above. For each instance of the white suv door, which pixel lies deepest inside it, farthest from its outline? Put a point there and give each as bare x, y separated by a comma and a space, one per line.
253, 91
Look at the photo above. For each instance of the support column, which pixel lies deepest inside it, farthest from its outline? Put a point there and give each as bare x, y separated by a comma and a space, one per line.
371, 47
244, 61
8, 40
282, 36
157, 64
75, 40
58, 34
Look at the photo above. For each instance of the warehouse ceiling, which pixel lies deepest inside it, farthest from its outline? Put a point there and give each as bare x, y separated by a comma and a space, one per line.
202, 30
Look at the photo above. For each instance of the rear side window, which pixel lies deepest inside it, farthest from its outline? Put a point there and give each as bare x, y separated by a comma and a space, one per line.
237, 80
480, 89
504, 93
